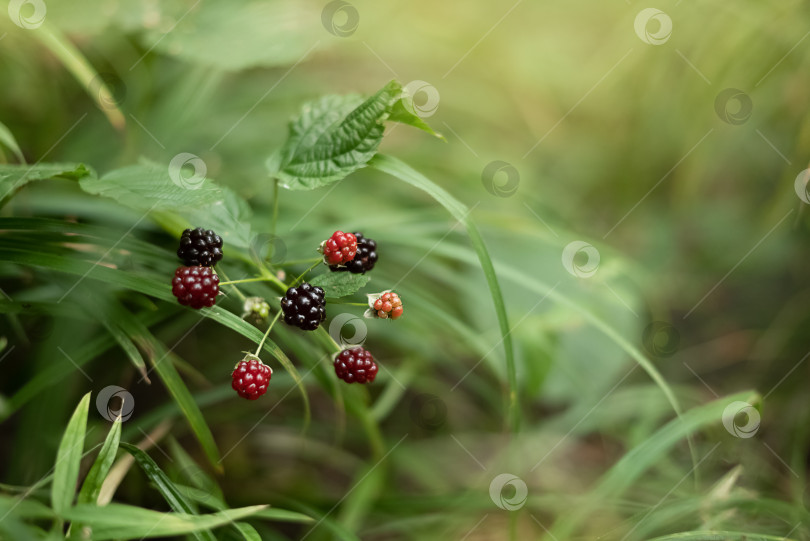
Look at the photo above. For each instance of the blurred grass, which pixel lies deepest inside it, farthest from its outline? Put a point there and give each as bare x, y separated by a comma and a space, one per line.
615, 116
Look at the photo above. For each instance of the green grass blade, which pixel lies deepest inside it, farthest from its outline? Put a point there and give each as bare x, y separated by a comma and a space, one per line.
720, 536
247, 531
404, 172
164, 485
101, 467
182, 396
161, 361
642, 457
128, 347
530, 282
68, 458
7, 138
117, 521
80, 68
212, 501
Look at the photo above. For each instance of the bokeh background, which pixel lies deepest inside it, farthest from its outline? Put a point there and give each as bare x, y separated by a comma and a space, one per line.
666, 142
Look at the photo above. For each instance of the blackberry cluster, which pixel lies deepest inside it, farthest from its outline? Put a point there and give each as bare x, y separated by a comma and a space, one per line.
364, 259
200, 247
250, 378
304, 307
195, 286
355, 365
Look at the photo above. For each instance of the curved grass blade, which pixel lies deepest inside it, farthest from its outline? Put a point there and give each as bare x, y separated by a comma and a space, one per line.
404, 172
77, 64
7, 138
212, 501
164, 485
638, 460
98, 472
720, 536
101, 467
532, 283
68, 458
118, 521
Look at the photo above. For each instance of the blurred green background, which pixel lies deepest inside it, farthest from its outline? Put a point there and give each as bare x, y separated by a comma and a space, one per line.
624, 139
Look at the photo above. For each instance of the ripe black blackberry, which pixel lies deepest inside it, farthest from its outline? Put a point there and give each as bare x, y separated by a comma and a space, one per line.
200, 247
355, 365
364, 259
304, 306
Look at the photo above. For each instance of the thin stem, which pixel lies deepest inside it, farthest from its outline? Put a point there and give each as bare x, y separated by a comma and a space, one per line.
246, 280
300, 261
344, 303
306, 271
236, 289
275, 207
327, 341
267, 333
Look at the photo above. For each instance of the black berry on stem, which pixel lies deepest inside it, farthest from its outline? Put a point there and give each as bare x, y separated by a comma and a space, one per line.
304, 306
200, 247
355, 365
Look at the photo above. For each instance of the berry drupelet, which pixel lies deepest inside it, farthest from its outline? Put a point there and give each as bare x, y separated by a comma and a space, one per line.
355, 365
251, 377
304, 307
339, 249
364, 259
389, 305
200, 247
195, 286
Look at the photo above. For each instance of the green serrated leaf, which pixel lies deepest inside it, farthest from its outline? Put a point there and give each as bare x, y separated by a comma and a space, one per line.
101, 467
214, 34
333, 137
401, 114
14, 177
152, 186
340, 284
118, 521
68, 458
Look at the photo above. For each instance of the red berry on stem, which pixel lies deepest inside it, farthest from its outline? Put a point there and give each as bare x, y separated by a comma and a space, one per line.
340, 248
250, 378
364, 258
195, 286
388, 305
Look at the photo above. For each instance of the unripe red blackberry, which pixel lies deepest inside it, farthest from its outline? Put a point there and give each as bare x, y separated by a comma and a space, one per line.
339, 249
251, 377
200, 247
304, 306
355, 365
388, 305
195, 286
364, 259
